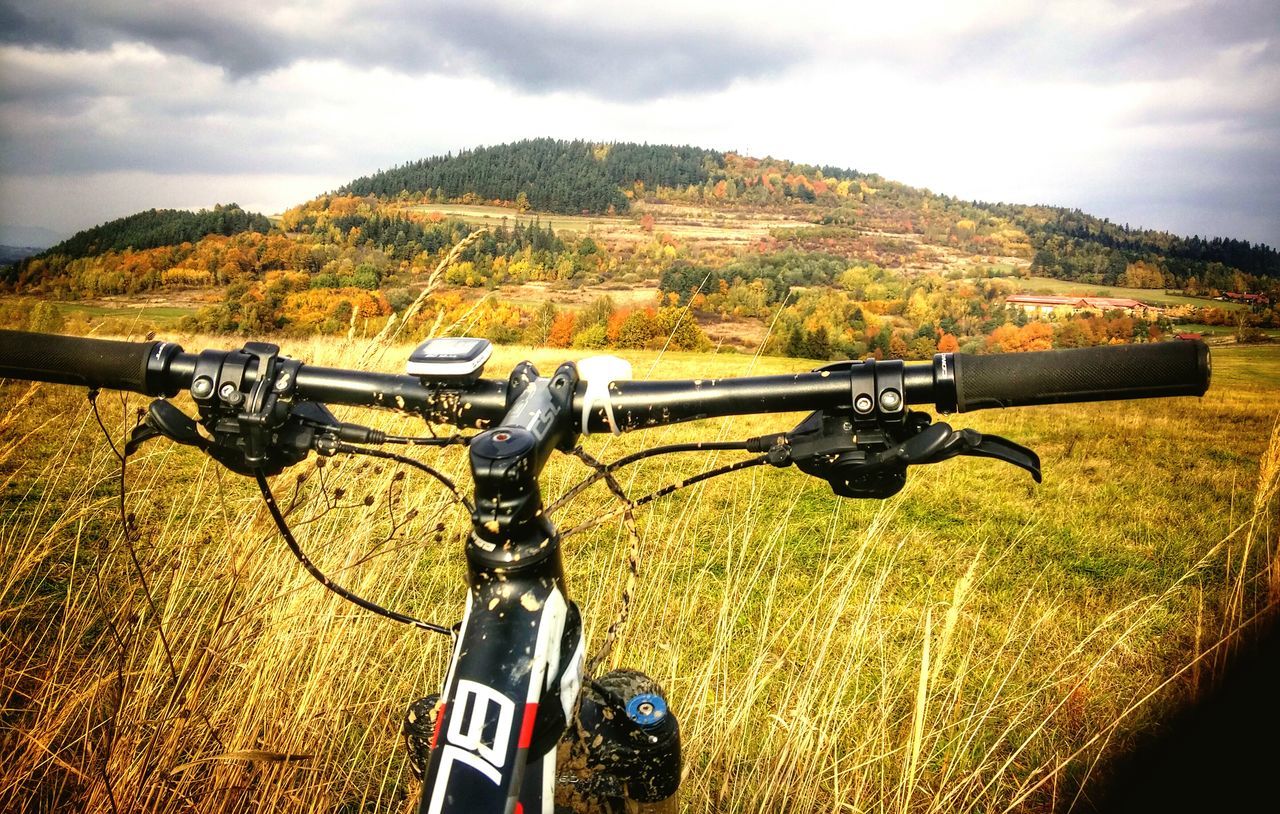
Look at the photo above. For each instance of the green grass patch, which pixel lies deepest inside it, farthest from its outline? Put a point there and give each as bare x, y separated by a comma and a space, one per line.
1047, 285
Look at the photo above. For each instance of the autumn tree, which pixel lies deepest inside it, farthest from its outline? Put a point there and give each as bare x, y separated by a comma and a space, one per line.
561, 333
538, 331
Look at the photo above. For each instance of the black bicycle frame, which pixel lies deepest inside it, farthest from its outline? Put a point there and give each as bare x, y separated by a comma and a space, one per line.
517, 664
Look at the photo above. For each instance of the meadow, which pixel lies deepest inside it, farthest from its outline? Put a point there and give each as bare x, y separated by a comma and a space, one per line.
688, 224
1167, 299
977, 643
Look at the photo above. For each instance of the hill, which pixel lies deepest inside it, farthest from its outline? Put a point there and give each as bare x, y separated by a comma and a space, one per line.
12, 254
34, 237
158, 227
580, 177
545, 174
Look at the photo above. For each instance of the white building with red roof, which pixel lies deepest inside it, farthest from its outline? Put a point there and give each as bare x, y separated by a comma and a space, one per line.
1045, 305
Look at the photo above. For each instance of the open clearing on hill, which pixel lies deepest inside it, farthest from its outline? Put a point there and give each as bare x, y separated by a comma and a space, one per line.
534, 294
687, 224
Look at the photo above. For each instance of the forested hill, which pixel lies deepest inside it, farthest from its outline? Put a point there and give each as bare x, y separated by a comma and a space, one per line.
549, 175
158, 227
570, 177
379, 226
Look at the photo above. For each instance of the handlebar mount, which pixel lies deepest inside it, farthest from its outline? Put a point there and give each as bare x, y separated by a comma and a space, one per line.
863, 450
248, 407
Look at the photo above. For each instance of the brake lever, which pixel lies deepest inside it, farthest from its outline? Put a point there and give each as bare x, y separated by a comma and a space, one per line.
165, 419
874, 465
1002, 449
309, 426
939, 442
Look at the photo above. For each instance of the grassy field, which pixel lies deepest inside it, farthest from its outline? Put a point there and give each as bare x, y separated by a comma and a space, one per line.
1221, 331
975, 644
135, 315
686, 224
1048, 285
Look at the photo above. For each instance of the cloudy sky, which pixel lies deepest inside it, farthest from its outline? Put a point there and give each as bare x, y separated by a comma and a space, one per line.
1160, 114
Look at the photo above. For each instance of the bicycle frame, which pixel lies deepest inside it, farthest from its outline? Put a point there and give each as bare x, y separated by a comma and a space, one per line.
517, 664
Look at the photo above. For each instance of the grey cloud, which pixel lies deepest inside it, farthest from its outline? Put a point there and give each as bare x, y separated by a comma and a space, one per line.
86, 151
545, 54
165, 146
1188, 31
217, 33
1159, 44
1235, 192
524, 47
35, 27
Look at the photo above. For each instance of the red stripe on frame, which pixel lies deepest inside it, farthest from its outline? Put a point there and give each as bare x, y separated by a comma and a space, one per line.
526, 726
435, 735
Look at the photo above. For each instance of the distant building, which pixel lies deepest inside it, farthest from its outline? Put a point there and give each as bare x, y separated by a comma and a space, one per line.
1037, 304
1249, 299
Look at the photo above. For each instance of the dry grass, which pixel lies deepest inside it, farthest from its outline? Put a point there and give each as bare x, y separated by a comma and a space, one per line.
690, 225
975, 644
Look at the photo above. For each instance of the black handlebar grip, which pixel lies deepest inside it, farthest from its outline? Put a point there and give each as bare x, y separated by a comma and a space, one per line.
1083, 374
89, 362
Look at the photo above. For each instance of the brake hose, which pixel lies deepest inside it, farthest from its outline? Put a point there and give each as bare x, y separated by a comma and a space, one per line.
289, 540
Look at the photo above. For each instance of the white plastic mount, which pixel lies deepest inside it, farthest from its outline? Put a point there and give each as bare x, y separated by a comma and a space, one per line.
599, 372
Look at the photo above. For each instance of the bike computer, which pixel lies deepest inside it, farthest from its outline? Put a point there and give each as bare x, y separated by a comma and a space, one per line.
449, 360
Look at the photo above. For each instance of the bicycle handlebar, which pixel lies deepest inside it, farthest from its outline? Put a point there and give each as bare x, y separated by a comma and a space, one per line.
951, 382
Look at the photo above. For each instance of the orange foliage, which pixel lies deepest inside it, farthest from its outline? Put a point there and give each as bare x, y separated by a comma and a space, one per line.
1012, 339
613, 328
307, 311
561, 334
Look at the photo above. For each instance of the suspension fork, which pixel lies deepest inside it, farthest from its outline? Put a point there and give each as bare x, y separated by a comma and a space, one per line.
517, 662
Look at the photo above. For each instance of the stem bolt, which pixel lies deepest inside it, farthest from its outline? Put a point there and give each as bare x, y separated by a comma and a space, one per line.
202, 387
890, 401
862, 404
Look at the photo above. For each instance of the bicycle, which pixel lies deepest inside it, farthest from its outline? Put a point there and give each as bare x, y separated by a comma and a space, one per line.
521, 724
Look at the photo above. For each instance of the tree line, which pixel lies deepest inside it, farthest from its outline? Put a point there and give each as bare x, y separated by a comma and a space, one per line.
551, 175
159, 227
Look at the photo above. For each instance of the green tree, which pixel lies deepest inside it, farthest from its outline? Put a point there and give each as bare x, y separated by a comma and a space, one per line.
538, 330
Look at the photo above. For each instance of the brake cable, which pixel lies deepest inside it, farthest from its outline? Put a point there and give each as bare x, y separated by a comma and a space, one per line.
633, 553
666, 490
301, 556
604, 472
458, 494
